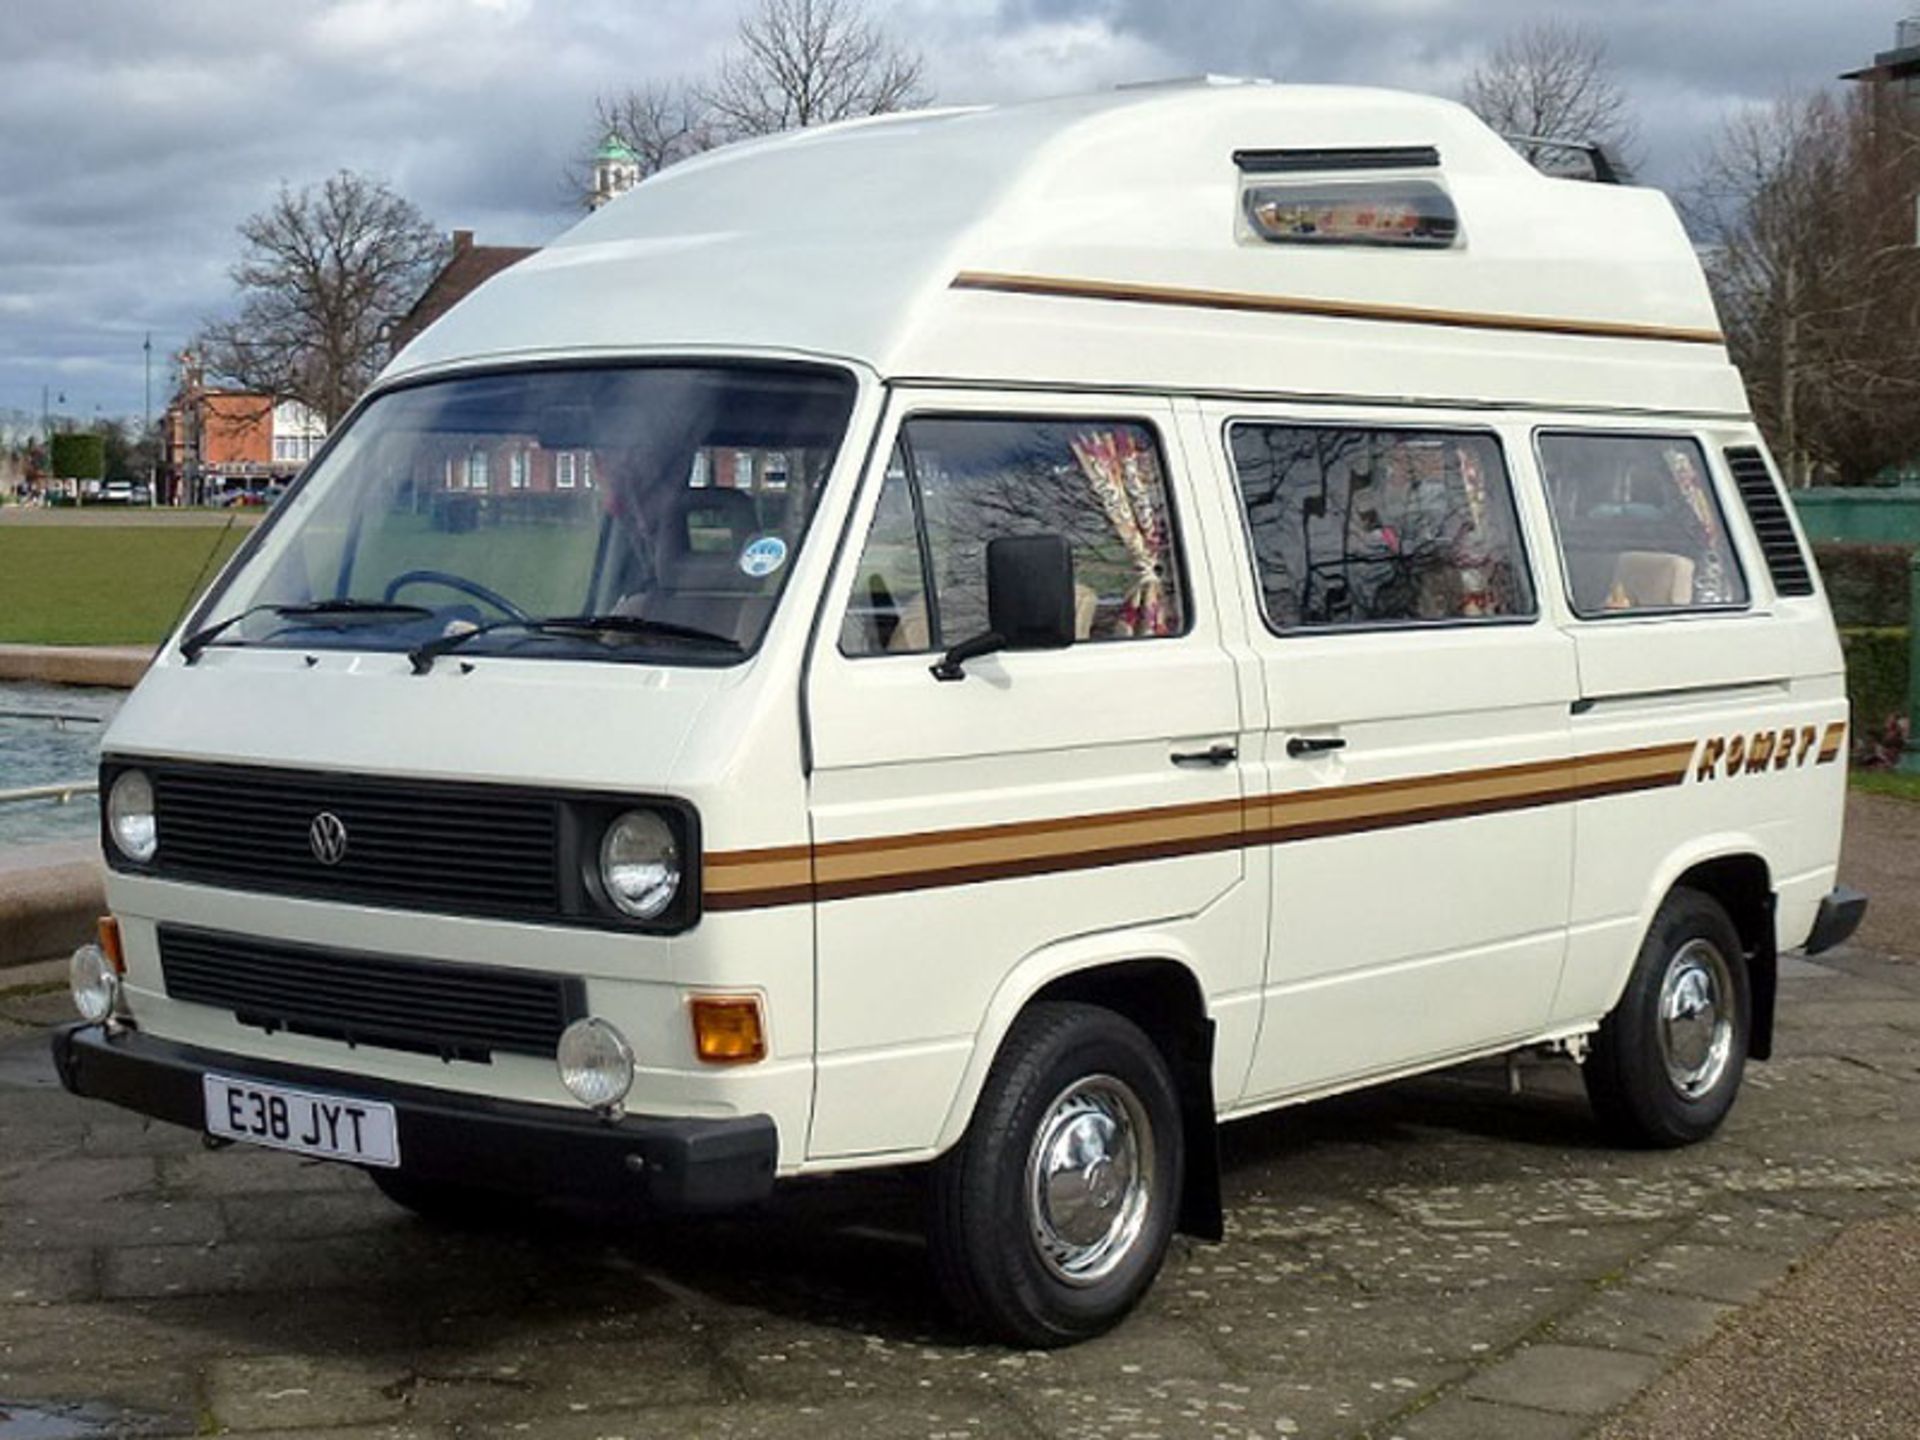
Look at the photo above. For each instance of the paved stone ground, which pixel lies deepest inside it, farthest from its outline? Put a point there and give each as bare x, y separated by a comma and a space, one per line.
1435, 1260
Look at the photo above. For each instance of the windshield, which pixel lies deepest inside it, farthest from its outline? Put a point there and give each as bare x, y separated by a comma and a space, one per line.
674, 498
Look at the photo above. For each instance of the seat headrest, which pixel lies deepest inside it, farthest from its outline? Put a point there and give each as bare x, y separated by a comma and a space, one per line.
710, 506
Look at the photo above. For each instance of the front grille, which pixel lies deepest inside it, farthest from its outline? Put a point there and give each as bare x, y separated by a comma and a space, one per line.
463, 1012
467, 849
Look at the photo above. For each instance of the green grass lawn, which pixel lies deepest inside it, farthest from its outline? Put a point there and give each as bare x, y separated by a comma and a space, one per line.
1897, 783
103, 585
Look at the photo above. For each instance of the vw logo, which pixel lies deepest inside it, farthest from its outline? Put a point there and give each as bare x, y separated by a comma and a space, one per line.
327, 838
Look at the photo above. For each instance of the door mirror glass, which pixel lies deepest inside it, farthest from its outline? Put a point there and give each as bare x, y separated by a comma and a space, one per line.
1030, 596
1030, 601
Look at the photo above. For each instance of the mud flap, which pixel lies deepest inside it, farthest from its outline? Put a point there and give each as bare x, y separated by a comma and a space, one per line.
1201, 1212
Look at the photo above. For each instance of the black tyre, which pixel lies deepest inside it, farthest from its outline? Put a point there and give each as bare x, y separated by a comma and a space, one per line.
1666, 1064
1052, 1215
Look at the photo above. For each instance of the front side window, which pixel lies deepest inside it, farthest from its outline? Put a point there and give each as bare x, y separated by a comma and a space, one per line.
1638, 524
1363, 527
603, 517
955, 483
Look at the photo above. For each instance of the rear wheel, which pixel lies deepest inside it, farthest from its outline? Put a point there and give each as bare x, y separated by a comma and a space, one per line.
1667, 1063
1052, 1215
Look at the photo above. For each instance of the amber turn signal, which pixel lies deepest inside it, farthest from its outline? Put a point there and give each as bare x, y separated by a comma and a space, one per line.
727, 1029
109, 940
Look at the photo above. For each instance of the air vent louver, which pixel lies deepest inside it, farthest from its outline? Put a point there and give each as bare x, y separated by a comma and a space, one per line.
1771, 523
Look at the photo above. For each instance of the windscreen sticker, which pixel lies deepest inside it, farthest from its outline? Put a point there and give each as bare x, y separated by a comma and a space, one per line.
763, 555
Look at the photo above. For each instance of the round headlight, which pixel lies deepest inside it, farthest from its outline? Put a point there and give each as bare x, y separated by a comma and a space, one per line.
640, 864
130, 816
596, 1063
96, 985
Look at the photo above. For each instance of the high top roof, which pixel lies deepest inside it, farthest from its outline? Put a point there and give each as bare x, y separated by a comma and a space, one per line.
1094, 240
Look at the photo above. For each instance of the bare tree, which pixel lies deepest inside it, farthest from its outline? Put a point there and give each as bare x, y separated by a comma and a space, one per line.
661, 122
794, 63
1553, 80
325, 272
810, 62
1807, 208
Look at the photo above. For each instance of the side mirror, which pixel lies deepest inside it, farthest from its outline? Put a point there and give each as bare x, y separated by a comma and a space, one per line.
1030, 601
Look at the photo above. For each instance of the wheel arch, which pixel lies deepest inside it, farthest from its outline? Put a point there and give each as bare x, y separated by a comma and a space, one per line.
1151, 980
1734, 871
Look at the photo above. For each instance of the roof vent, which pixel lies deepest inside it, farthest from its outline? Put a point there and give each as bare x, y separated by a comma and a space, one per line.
1768, 512
1354, 157
1170, 82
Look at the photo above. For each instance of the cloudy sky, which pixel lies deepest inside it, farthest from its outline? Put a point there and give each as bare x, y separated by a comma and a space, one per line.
135, 134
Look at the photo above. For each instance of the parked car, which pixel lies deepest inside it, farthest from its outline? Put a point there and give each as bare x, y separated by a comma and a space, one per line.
1264, 594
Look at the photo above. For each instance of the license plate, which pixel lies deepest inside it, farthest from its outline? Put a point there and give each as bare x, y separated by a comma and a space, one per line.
336, 1127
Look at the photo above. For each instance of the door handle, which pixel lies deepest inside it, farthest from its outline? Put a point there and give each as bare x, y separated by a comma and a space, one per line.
1215, 755
1300, 746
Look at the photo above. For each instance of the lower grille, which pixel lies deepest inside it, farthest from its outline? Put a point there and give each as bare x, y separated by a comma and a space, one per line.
458, 1012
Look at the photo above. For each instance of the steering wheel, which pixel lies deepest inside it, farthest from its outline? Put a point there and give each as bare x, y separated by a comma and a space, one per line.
456, 582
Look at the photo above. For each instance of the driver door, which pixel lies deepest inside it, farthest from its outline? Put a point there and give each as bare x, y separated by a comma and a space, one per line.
962, 828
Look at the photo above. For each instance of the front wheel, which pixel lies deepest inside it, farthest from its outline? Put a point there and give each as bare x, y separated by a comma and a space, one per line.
1052, 1215
1667, 1062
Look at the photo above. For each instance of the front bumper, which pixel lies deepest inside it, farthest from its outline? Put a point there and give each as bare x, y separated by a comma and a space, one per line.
1841, 910
663, 1164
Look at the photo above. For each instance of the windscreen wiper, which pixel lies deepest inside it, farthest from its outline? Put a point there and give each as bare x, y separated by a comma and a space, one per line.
191, 647
638, 626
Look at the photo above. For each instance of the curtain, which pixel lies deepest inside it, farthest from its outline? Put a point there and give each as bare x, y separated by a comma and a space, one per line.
1710, 579
1124, 474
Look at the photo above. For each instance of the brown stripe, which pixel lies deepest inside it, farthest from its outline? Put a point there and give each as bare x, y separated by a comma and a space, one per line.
940, 877
877, 865
1022, 829
1831, 741
757, 899
765, 856
742, 870
1323, 309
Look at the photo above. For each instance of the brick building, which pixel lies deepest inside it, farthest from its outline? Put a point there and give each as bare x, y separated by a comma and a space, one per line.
468, 266
215, 442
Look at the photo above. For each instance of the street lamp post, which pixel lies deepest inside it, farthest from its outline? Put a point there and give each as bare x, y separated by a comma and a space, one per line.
146, 433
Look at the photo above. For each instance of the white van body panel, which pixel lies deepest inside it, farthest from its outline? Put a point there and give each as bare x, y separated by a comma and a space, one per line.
901, 242
1078, 259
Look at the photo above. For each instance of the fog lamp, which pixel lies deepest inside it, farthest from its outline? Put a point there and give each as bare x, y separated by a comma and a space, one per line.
596, 1063
95, 984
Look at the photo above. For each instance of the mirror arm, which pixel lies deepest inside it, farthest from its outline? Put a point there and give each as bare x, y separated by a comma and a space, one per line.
951, 666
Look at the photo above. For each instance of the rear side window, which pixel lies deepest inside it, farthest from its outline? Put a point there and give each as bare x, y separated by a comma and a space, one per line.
1639, 525
1362, 527
954, 483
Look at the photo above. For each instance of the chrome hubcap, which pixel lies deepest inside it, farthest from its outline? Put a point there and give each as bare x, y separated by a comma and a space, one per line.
1696, 1020
1090, 1179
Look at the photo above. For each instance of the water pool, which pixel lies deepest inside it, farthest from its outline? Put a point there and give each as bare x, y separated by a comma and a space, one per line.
38, 751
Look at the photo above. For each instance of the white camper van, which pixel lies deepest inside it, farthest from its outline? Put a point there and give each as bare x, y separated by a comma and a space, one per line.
996, 638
